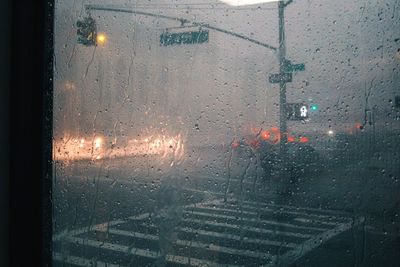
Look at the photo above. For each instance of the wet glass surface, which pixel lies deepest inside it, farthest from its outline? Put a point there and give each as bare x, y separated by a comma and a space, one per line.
226, 133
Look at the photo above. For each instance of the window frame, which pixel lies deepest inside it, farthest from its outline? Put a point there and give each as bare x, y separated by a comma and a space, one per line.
30, 135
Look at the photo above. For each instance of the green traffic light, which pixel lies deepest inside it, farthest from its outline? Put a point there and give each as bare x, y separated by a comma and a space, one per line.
314, 107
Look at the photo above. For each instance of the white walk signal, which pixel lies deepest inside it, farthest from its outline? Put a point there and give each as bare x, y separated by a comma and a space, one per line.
303, 111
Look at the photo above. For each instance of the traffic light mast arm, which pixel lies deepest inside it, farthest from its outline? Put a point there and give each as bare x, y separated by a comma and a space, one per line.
236, 35
181, 20
287, 3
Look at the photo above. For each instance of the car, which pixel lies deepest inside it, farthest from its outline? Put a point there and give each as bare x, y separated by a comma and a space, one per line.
302, 159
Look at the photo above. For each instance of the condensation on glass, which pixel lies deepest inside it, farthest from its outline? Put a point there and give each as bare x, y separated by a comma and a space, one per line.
226, 133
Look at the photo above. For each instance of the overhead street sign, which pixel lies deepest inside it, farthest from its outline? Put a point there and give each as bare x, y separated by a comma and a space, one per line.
289, 67
297, 111
296, 67
277, 78
179, 38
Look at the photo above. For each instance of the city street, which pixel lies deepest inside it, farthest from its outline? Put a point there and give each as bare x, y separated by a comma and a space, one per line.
226, 133
110, 218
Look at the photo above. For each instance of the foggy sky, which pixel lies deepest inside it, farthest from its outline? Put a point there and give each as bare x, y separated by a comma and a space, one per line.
132, 84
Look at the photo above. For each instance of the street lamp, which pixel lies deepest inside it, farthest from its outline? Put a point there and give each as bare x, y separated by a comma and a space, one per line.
101, 38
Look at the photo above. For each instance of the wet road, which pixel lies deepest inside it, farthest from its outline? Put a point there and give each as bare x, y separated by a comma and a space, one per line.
91, 194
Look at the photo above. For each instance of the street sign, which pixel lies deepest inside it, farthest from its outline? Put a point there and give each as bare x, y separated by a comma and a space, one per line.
192, 37
297, 111
296, 67
289, 67
277, 78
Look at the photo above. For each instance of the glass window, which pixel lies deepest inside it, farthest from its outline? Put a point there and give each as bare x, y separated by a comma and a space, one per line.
226, 133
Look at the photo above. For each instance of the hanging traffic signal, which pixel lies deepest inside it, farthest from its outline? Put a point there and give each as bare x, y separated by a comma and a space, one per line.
314, 107
86, 31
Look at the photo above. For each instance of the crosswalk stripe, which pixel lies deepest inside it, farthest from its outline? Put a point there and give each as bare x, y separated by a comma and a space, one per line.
297, 208
221, 249
291, 256
81, 261
247, 228
195, 244
206, 233
334, 221
139, 217
85, 229
304, 220
146, 253
287, 233
238, 238
133, 234
253, 219
213, 221
241, 227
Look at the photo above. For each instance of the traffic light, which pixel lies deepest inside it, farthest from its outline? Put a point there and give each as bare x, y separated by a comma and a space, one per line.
314, 107
86, 31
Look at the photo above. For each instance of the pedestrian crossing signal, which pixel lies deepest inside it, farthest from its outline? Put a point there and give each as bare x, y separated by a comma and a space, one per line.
86, 31
297, 111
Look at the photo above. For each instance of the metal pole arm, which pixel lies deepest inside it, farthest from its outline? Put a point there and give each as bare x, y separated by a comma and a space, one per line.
181, 20
287, 3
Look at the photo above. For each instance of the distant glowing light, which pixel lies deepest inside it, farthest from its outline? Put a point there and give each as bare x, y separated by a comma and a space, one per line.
265, 135
101, 38
166, 147
98, 142
82, 143
235, 144
69, 86
314, 107
331, 132
246, 2
304, 139
291, 139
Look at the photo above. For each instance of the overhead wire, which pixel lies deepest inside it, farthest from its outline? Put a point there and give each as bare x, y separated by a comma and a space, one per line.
195, 6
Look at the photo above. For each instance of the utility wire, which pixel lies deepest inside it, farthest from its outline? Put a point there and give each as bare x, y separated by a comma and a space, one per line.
205, 8
181, 4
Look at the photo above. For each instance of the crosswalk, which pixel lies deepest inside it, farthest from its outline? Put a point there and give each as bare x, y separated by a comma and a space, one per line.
210, 234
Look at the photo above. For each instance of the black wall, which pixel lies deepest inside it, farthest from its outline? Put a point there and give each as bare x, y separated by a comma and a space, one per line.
5, 44
28, 28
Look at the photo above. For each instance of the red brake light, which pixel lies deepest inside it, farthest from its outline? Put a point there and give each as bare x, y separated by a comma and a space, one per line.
304, 139
265, 135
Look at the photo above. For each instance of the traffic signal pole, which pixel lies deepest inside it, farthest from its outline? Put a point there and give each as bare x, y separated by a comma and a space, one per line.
282, 89
284, 76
